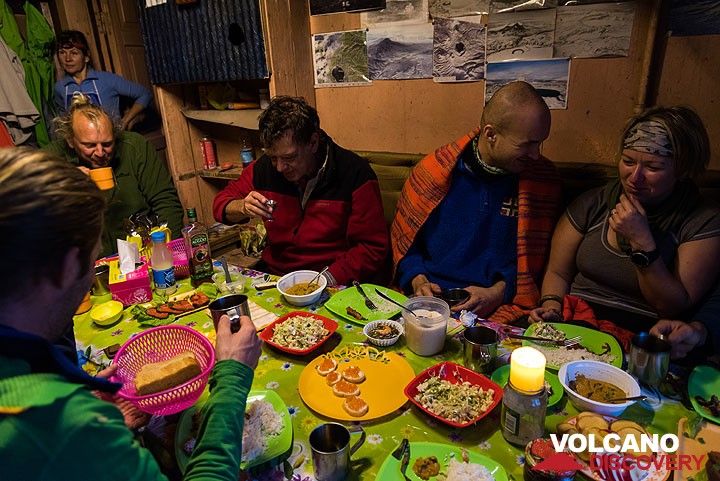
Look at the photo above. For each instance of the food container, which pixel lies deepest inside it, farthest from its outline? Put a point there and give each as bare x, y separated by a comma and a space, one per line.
289, 280
106, 313
235, 286
601, 372
425, 332
371, 327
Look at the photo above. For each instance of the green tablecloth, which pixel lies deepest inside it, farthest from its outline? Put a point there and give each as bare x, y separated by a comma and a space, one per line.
280, 372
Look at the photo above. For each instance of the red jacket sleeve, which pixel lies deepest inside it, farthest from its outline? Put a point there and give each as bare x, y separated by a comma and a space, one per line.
367, 236
237, 189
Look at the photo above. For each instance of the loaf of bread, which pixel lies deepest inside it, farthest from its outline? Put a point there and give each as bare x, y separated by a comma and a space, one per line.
160, 376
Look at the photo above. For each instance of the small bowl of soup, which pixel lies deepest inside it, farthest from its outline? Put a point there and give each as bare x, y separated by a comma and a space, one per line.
590, 385
297, 289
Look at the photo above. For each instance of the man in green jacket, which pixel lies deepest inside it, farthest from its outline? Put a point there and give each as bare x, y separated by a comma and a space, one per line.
142, 182
52, 427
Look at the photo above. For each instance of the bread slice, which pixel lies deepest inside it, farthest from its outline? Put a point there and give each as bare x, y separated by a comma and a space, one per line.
353, 374
343, 388
326, 366
333, 378
159, 376
355, 406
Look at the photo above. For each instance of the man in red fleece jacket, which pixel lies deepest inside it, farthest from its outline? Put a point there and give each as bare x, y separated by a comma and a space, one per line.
327, 207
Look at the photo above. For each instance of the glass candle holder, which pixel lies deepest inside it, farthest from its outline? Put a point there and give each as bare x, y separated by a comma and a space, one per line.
522, 418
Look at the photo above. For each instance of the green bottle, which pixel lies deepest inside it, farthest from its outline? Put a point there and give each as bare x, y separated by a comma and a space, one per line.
197, 246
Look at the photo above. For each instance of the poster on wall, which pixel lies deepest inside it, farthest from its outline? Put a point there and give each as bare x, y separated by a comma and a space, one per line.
400, 51
340, 59
505, 6
521, 36
696, 17
322, 7
398, 11
594, 30
458, 49
457, 8
549, 77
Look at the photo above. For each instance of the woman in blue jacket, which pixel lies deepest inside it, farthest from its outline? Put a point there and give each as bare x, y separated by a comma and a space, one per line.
103, 88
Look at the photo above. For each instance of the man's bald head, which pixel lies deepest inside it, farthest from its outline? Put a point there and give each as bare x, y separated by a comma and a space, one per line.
508, 100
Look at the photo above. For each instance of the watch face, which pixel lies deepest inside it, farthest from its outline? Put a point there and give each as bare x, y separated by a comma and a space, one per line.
639, 258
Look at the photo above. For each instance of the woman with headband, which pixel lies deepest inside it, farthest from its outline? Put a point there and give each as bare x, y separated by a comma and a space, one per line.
103, 88
647, 245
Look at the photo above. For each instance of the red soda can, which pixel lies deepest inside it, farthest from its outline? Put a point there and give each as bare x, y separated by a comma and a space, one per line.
207, 146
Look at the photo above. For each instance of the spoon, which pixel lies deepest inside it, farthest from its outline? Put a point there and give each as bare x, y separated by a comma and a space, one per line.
224, 263
641, 397
384, 296
317, 276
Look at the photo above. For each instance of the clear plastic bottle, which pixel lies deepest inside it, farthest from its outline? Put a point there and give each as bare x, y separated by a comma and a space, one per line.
162, 265
246, 153
197, 246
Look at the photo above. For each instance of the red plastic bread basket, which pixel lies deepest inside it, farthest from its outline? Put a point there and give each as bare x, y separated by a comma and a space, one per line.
156, 345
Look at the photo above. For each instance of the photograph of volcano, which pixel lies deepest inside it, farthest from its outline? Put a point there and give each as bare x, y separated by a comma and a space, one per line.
457, 8
505, 6
458, 50
521, 36
601, 30
400, 52
340, 58
398, 11
549, 77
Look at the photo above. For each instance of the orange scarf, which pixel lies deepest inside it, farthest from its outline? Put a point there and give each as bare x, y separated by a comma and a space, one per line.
539, 193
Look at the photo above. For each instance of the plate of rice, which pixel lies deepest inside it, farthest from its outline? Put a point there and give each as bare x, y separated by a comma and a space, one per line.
455, 464
593, 346
267, 432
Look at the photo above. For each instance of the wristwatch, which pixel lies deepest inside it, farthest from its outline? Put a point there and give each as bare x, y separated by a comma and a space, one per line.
644, 258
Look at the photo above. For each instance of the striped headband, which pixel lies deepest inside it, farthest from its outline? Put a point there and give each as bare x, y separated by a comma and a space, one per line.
649, 136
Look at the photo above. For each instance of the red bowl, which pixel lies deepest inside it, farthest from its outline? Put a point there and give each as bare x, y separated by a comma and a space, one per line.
267, 333
456, 374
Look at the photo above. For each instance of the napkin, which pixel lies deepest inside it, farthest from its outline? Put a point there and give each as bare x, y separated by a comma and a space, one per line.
129, 256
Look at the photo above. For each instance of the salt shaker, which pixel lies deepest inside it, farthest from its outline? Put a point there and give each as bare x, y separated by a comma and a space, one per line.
270, 204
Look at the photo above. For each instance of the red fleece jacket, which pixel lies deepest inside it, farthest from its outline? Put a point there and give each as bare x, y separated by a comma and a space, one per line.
342, 224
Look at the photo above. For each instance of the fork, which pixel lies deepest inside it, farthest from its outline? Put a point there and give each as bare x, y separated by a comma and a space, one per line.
565, 343
368, 303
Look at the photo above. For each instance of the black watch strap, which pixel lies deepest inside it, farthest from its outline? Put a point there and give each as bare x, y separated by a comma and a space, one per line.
644, 258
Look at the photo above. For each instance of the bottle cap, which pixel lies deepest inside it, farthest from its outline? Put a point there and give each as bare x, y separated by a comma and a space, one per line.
191, 212
158, 236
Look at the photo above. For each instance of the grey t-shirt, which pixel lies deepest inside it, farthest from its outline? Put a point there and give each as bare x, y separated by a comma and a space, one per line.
605, 275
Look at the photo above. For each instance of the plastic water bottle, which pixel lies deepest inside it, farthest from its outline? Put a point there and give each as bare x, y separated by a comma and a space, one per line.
246, 153
162, 265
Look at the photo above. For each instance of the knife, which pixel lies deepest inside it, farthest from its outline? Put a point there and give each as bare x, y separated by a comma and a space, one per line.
368, 303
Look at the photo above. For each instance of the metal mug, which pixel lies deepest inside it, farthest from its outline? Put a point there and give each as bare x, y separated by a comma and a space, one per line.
331, 451
479, 348
649, 359
102, 279
234, 306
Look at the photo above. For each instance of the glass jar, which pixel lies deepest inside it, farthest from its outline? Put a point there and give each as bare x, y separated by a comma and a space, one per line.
522, 418
425, 332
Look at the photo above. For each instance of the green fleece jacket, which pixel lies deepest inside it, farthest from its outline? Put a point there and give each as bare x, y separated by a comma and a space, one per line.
54, 429
142, 185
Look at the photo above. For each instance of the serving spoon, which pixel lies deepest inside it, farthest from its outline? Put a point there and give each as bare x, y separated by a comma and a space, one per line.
641, 397
317, 276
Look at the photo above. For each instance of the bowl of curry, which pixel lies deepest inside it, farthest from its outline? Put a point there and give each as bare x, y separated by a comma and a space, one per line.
301, 288
592, 386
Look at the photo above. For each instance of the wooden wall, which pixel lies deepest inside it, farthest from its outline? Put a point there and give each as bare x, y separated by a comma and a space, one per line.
416, 116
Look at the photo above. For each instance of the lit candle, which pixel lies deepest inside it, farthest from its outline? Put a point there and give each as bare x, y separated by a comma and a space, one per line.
527, 369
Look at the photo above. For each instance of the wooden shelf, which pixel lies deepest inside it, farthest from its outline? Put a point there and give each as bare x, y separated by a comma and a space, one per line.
246, 119
229, 174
